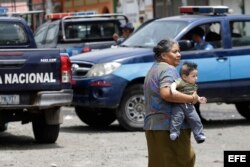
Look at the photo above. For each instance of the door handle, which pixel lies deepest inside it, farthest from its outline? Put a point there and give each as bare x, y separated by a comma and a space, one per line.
221, 59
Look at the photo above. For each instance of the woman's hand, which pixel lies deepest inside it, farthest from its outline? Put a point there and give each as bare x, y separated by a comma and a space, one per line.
195, 98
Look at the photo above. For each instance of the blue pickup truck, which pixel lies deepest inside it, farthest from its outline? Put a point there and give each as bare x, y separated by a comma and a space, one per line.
34, 83
108, 84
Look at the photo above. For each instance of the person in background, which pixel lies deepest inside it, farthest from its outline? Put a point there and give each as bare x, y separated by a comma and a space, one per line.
127, 30
186, 84
141, 19
198, 38
162, 151
140, 22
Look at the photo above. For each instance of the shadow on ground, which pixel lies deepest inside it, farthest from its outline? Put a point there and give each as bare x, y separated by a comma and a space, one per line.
213, 124
10, 141
115, 128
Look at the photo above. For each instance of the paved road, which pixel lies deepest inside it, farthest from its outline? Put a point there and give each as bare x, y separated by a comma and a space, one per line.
81, 146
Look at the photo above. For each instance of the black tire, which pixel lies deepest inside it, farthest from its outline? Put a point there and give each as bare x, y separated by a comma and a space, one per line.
131, 112
244, 109
197, 108
96, 117
43, 132
3, 127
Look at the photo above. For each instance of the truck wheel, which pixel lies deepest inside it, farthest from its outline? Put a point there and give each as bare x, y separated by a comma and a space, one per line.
96, 117
197, 108
243, 109
3, 127
132, 108
43, 132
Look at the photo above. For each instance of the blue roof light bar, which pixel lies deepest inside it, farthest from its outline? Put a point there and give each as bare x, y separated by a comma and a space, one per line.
204, 9
84, 13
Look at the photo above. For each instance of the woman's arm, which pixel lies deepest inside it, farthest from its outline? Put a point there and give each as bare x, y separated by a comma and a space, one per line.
179, 97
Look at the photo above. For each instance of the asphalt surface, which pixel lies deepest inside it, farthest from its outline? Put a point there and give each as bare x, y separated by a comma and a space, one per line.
81, 146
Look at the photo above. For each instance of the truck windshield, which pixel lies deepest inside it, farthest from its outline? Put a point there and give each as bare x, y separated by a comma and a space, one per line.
151, 34
12, 34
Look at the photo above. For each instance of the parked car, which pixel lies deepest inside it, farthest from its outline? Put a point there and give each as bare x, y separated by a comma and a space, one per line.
78, 33
108, 85
34, 83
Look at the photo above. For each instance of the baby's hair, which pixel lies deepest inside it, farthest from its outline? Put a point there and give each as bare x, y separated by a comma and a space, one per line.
187, 68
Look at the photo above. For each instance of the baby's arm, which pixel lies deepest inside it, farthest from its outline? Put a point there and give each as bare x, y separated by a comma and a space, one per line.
173, 88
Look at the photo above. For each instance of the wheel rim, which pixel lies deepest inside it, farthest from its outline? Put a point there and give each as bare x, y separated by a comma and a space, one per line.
135, 108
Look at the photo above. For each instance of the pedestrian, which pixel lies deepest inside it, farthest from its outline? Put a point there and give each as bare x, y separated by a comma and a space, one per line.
127, 30
140, 22
162, 151
186, 84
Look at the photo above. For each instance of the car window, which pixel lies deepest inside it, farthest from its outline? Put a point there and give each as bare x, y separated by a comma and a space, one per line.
12, 34
240, 33
150, 35
91, 30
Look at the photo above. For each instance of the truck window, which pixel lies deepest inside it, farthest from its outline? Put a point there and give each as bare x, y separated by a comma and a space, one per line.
12, 34
52, 34
40, 35
210, 34
72, 31
109, 29
240, 33
90, 31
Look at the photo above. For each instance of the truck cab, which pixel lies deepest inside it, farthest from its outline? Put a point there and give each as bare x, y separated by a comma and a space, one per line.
111, 81
79, 32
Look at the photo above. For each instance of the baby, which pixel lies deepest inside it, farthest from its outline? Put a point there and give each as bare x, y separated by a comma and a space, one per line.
186, 84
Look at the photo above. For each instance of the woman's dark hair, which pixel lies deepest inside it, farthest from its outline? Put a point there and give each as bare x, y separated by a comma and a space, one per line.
164, 45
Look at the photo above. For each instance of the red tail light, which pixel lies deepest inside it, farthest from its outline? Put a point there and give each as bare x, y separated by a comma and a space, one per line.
84, 50
65, 69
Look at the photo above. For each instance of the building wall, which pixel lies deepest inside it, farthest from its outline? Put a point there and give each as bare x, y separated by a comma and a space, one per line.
15, 6
165, 8
247, 7
59, 6
234, 5
100, 6
134, 9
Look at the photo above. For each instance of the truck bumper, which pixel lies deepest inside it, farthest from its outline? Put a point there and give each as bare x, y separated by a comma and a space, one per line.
99, 92
49, 99
44, 100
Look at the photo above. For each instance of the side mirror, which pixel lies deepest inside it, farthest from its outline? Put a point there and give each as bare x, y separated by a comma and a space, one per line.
186, 45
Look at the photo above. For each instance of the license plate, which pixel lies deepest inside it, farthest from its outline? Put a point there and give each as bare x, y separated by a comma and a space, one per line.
9, 99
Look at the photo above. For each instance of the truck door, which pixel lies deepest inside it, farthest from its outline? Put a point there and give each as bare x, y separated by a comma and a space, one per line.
239, 57
213, 63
